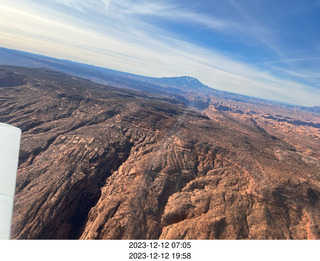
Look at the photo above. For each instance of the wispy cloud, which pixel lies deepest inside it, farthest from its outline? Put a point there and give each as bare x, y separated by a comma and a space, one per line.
179, 14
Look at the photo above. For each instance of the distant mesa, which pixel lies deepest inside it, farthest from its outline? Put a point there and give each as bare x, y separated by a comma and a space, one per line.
183, 80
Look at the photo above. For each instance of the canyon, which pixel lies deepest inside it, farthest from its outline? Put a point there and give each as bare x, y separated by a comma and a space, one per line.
104, 162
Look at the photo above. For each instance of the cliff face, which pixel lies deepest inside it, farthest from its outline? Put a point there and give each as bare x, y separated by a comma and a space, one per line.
108, 163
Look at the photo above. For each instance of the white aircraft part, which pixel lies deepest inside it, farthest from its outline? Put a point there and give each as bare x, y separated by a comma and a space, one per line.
9, 154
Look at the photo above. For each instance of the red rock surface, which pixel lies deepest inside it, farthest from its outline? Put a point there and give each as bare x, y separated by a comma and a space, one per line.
104, 163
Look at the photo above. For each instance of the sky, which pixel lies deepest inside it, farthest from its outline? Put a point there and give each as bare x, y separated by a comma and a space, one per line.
268, 48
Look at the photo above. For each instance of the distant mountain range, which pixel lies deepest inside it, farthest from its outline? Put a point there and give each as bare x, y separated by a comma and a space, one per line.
95, 73
169, 86
174, 87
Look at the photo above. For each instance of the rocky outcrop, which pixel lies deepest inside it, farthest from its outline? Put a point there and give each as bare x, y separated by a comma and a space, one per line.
99, 162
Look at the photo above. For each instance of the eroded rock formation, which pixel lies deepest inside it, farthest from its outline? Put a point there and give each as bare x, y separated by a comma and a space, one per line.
99, 162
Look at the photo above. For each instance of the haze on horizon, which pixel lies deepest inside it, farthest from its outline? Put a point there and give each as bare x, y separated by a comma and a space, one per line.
266, 49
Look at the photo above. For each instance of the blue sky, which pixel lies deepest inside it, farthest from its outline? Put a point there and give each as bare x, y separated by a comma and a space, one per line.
267, 48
